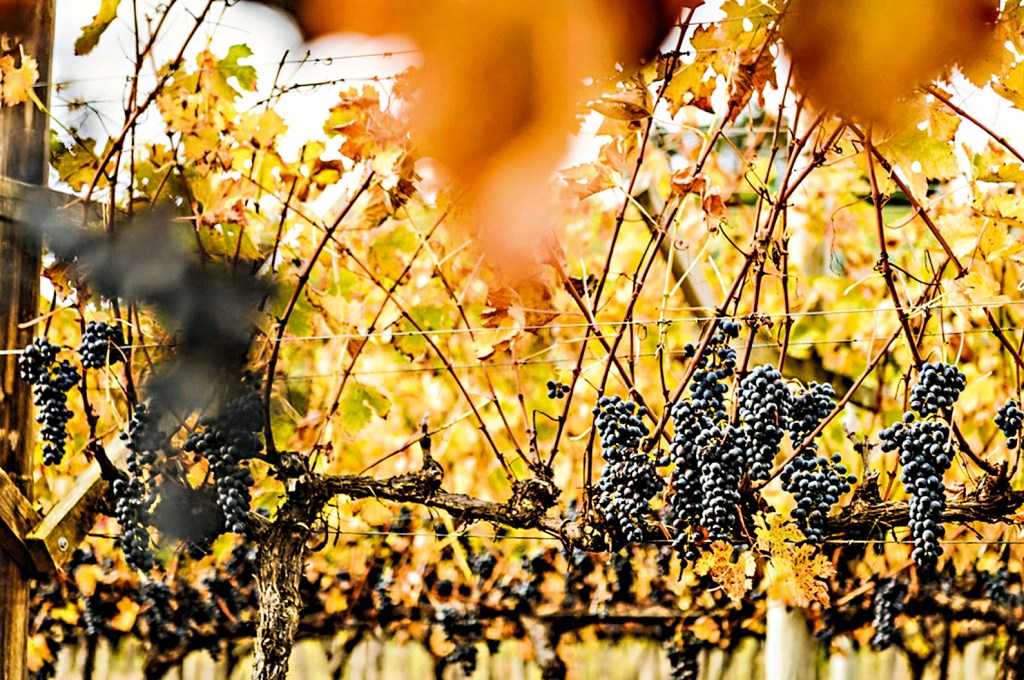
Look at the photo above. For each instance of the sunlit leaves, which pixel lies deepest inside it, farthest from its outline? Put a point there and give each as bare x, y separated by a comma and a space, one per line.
731, 568
16, 82
359, 403
94, 30
860, 58
798, 572
497, 93
77, 163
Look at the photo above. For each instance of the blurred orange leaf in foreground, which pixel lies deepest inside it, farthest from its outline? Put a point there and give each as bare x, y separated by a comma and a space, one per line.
498, 92
860, 57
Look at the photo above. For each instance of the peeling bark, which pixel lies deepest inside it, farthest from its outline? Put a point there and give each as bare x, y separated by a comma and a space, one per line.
279, 567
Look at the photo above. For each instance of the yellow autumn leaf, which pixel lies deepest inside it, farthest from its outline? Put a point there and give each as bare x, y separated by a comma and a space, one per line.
86, 578
127, 612
969, 292
972, 236
39, 653
734, 575
67, 614
796, 570
628, 103
17, 81
705, 628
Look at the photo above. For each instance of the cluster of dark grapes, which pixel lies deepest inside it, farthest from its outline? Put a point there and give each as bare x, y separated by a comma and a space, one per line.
686, 499
764, 404
938, 387
682, 657
887, 605
557, 390
1010, 420
167, 631
816, 483
51, 381
578, 591
131, 498
629, 479
996, 587
228, 440
624, 579
101, 345
810, 406
720, 474
483, 564
925, 455
526, 591
705, 478
462, 628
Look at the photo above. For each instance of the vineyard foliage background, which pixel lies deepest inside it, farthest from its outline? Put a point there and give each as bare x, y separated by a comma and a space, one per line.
433, 308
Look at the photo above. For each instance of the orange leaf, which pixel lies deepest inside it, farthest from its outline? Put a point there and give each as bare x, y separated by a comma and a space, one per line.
859, 58
795, 568
498, 93
127, 612
734, 575
17, 81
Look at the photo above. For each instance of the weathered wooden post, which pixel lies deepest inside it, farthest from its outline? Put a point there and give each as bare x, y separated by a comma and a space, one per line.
26, 28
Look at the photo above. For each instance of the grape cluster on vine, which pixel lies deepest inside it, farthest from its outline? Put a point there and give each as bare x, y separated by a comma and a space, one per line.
938, 387
1010, 420
557, 390
132, 499
101, 345
628, 480
886, 606
462, 628
764, 402
228, 440
810, 406
51, 381
816, 483
925, 454
704, 481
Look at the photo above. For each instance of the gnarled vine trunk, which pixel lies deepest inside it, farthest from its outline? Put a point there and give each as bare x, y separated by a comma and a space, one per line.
279, 566
1012, 666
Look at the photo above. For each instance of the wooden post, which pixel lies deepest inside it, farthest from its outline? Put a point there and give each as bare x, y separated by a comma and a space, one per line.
789, 645
26, 27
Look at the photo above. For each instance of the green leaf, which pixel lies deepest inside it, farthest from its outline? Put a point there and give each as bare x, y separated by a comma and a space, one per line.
428, 318
77, 163
230, 68
385, 252
91, 34
358, 405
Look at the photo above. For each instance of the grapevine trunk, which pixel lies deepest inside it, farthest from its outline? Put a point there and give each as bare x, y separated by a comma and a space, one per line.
279, 567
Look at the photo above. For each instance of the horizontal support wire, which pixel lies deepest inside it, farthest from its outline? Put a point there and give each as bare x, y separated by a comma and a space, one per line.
493, 537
